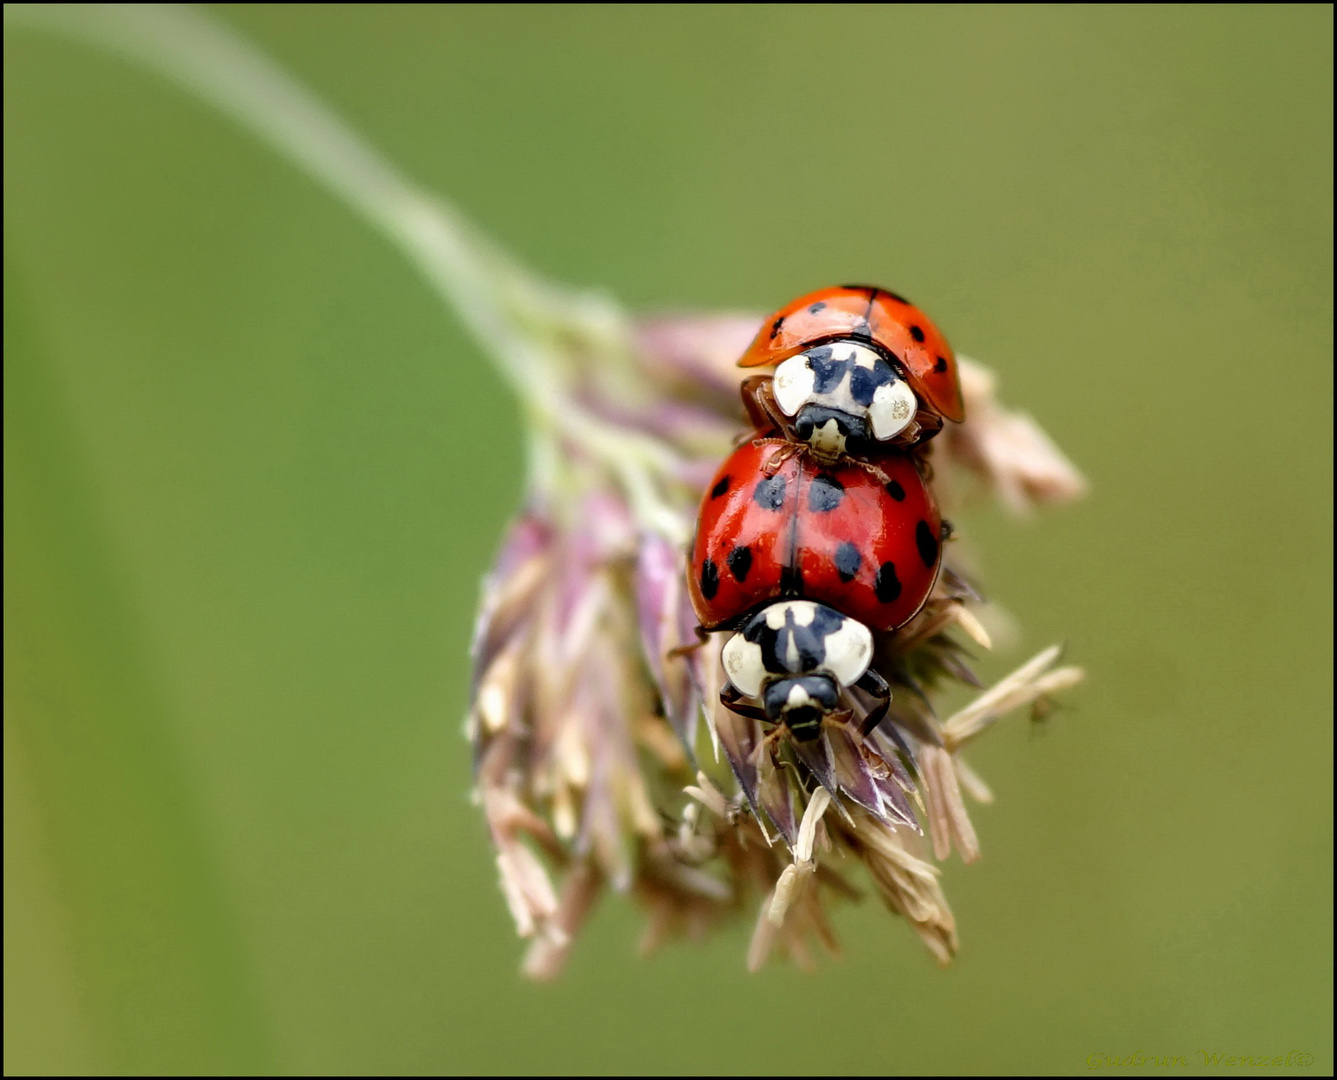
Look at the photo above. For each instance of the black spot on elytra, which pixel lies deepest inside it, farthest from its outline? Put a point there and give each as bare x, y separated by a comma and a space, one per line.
917, 333
740, 562
791, 581
895, 490
710, 579
720, 488
887, 585
770, 492
824, 494
927, 544
813, 309
775, 327
940, 365
848, 561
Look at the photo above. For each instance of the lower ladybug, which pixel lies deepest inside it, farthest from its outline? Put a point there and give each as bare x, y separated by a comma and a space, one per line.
861, 549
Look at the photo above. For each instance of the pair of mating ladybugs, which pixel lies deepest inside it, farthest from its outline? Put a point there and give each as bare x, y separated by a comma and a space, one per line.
819, 530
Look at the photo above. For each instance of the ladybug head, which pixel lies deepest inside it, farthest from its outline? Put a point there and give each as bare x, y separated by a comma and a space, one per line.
801, 703
844, 397
795, 656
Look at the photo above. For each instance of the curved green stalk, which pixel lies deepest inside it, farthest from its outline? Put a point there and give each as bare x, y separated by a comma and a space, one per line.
536, 333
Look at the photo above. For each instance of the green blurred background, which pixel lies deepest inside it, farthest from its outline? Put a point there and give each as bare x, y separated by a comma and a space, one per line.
253, 471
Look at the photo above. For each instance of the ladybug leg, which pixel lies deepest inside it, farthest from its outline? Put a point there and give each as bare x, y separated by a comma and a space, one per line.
923, 427
732, 699
702, 638
787, 450
770, 744
875, 684
872, 470
759, 400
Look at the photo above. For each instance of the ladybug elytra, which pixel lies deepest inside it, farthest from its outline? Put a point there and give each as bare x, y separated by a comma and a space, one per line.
834, 534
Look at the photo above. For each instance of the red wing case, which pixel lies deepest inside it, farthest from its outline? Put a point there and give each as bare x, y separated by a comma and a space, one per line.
839, 535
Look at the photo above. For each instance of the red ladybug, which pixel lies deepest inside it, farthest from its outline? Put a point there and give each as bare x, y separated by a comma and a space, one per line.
858, 366
803, 563
833, 534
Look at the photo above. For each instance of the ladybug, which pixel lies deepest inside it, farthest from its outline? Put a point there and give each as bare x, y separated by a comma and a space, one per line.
859, 368
867, 548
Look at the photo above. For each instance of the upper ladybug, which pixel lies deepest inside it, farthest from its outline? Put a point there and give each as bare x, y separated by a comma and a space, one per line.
890, 324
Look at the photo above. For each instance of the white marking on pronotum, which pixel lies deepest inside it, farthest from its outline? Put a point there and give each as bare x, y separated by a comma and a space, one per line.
803, 611
849, 651
893, 408
744, 666
793, 384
